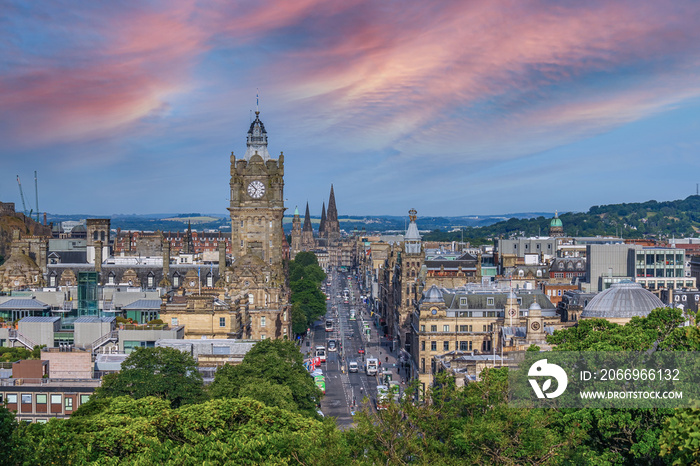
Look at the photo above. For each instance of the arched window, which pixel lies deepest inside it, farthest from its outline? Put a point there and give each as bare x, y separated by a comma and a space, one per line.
176, 279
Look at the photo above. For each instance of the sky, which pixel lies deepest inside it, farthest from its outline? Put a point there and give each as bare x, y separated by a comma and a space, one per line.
449, 107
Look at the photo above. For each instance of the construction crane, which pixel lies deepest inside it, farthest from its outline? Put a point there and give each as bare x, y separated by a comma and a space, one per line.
36, 193
24, 206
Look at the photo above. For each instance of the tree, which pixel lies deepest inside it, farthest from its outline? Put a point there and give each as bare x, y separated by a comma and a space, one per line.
165, 373
277, 366
148, 431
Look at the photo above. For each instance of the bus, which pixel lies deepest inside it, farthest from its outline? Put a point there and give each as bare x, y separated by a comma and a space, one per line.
321, 353
329, 325
352, 314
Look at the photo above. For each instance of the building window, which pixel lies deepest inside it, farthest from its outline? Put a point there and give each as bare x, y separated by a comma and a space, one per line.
445, 328
52, 280
484, 329
26, 399
463, 302
12, 398
284, 316
173, 321
84, 399
422, 345
433, 346
263, 336
446, 345
41, 399
176, 280
150, 280
210, 280
263, 321
422, 328
69, 404
489, 301
433, 328
222, 321
464, 346
110, 279
55, 399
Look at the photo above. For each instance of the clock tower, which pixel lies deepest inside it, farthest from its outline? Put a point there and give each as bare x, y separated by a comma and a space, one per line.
257, 202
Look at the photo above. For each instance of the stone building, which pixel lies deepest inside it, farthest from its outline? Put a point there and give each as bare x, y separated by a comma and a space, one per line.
257, 237
295, 247
476, 318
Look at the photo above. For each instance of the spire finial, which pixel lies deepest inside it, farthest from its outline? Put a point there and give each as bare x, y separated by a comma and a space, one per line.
257, 101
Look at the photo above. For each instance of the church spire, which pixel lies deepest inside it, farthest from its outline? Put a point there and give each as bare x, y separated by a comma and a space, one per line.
322, 225
332, 215
307, 220
332, 226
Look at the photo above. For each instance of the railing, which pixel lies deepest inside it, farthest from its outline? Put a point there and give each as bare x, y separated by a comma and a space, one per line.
46, 381
15, 335
143, 327
111, 336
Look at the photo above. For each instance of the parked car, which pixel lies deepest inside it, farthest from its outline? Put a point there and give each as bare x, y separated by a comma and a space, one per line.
361, 351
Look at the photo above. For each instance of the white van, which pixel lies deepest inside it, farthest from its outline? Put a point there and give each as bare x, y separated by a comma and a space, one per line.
352, 366
372, 366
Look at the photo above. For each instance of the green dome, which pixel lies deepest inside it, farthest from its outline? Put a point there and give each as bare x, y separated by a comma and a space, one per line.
555, 221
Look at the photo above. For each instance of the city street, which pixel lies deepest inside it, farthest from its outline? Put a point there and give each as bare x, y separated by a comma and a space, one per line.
345, 391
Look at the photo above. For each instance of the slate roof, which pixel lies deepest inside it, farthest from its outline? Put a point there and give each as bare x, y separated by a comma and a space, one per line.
150, 304
93, 320
24, 303
39, 319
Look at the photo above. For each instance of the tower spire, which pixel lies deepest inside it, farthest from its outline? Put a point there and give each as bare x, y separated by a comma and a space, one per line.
332, 226
322, 225
307, 220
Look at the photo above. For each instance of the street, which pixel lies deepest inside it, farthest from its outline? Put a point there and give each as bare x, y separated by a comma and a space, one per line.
345, 391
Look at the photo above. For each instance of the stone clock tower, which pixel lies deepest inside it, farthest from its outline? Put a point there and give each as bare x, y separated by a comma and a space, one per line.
257, 208
257, 201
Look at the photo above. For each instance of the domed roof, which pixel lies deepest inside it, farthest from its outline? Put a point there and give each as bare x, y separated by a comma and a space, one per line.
433, 295
620, 301
556, 222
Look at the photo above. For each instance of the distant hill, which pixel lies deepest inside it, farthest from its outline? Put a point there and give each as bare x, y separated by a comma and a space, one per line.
651, 219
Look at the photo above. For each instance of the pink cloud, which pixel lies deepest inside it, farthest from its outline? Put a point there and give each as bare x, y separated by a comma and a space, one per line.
393, 73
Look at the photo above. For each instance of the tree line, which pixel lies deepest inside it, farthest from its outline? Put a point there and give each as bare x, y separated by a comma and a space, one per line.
263, 411
651, 219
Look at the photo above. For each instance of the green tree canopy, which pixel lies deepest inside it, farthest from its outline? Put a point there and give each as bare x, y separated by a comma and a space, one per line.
271, 372
165, 373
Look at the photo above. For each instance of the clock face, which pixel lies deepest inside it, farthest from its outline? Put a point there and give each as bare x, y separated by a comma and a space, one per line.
256, 189
535, 326
511, 312
433, 310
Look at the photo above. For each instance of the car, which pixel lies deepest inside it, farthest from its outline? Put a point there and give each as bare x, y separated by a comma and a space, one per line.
361, 351
332, 345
